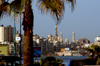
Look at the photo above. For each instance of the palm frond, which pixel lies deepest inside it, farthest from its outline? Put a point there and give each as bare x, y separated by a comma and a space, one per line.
3, 8
14, 7
54, 7
73, 2
17, 5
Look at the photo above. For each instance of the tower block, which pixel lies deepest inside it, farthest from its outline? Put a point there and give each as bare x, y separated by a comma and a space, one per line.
56, 35
73, 37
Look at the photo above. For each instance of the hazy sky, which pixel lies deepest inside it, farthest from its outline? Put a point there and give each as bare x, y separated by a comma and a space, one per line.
84, 21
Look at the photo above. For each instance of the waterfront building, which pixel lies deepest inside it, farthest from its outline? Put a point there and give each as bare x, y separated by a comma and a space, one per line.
61, 38
97, 39
66, 41
55, 43
43, 43
6, 34
50, 38
73, 46
50, 47
84, 41
79, 44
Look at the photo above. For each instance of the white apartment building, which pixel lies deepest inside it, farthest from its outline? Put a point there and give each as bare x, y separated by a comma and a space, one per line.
6, 34
97, 39
1, 33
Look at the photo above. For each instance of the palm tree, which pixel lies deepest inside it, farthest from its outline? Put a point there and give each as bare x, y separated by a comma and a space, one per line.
55, 7
28, 33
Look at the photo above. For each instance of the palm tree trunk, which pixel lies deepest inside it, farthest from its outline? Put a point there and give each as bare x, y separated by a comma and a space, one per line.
28, 33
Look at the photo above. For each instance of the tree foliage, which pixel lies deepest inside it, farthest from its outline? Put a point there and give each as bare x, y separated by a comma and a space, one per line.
73, 2
3, 7
54, 7
95, 50
50, 61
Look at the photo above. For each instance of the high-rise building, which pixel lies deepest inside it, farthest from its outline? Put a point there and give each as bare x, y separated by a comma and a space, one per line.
56, 30
73, 37
56, 35
6, 33
50, 38
61, 37
1, 33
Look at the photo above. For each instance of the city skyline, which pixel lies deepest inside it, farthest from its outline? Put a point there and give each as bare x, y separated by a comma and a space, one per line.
84, 21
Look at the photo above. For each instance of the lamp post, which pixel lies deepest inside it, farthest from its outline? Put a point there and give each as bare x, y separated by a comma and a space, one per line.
20, 38
14, 38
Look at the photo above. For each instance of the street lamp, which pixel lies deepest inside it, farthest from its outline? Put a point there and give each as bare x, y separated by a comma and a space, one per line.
20, 38
14, 38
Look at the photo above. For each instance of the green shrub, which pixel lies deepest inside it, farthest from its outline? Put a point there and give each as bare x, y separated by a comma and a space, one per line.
51, 61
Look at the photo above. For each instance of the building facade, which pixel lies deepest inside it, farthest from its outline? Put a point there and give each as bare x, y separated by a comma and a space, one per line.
6, 33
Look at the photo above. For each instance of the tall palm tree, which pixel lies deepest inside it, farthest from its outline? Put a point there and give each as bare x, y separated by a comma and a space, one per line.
55, 7
28, 33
